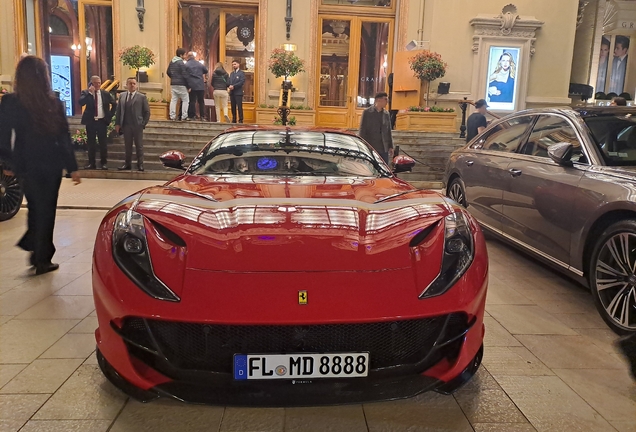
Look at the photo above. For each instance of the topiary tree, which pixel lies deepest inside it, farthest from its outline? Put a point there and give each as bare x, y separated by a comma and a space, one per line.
427, 66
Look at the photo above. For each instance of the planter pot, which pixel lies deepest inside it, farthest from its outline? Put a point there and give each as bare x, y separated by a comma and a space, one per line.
265, 116
159, 110
427, 121
304, 117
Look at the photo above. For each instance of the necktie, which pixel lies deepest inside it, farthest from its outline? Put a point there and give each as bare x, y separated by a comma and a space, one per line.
96, 105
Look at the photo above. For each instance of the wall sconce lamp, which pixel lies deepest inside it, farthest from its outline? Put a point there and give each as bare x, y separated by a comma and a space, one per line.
141, 10
289, 47
89, 47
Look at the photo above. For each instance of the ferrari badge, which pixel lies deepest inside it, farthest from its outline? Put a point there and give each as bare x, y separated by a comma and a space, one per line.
302, 297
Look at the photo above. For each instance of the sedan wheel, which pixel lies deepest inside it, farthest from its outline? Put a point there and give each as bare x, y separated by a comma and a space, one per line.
10, 196
456, 191
613, 276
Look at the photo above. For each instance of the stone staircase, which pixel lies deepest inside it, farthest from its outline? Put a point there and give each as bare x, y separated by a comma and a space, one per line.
431, 150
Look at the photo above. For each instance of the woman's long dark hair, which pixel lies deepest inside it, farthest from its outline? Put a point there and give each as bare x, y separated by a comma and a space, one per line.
33, 89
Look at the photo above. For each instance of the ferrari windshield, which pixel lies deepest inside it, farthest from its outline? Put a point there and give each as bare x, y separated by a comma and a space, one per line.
289, 153
615, 136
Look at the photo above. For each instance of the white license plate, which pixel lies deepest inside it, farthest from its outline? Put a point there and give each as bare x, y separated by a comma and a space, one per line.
292, 366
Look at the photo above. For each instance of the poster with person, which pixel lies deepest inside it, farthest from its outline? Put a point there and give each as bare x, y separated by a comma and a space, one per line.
619, 64
501, 85
603, 57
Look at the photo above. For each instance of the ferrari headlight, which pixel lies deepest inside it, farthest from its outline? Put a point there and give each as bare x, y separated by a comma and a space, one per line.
130, 251
458, 254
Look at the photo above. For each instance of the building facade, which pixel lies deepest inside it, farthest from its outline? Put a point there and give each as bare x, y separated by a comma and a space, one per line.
350, 47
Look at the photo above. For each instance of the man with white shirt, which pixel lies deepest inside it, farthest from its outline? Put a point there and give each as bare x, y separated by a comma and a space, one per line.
132, 116
100, 107
619, 64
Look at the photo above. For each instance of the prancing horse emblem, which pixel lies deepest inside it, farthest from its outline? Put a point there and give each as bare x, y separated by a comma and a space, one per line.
302, 297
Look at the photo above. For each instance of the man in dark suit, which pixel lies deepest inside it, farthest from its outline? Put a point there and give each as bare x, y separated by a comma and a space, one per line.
132, 116
100, 108
196, 73
237, 80
375, 127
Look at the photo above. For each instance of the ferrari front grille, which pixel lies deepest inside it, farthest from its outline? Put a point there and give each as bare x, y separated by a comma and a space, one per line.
211, 347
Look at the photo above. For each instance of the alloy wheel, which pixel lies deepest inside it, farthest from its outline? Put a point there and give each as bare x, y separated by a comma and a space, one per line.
10, 196
456, 192
615, 280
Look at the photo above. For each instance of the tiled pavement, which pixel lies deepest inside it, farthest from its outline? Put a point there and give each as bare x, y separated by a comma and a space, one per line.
549, 362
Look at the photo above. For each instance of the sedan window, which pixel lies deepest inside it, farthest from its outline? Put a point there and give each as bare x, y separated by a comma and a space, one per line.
550, 130
615, 136
505, 136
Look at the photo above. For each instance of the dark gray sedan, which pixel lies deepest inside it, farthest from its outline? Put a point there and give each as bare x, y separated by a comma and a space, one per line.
561, 184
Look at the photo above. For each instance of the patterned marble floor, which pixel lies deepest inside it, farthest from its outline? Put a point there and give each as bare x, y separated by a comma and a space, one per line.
549, 362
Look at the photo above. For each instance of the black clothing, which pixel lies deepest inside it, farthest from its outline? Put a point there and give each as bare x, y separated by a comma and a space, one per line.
236, 101
475, 121
108, 105
38, 160
33, 151
220, 80
97, 128
178, 73
375, 128
196, 96
237, 79
195, 74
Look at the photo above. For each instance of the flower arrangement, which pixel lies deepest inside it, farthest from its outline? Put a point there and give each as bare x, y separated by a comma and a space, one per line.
136, 57
80, 141
285, 63
434, 108
291, 121
427, 66
3, 90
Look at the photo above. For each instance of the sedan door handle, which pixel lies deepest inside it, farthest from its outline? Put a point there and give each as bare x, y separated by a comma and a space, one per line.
514, 172
470, 162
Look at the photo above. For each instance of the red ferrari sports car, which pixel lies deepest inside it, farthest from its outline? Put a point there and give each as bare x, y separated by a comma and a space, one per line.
288, 268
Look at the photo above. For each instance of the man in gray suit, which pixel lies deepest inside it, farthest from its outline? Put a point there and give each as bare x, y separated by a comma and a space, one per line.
375, 127
132, 116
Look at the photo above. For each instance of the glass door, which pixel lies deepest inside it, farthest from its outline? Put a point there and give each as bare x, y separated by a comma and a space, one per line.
349, 81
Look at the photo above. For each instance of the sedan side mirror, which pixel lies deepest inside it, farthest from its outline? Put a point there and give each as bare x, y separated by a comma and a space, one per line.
402, 163
561, 153
173, 159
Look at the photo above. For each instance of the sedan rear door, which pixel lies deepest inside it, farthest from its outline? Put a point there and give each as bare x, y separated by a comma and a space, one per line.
484, 169
539, 200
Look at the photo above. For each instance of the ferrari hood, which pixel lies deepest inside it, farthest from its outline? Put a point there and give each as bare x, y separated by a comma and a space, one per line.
285, 226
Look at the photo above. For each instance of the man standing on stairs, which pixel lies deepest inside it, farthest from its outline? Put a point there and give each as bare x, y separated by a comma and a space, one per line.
100, 108
375, 127
132, 116
179, 86
237, 81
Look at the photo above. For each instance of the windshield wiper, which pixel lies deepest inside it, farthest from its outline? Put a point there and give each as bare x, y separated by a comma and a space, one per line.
207, 197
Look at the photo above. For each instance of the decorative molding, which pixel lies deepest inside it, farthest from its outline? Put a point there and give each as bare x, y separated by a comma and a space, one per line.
581, 13
402, 24
261, 51
508, 24
313, 80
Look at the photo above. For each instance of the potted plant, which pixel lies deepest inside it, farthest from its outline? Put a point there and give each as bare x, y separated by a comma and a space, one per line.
285, 63
79, 139
136, 57
427, 66
3, 91
159, 109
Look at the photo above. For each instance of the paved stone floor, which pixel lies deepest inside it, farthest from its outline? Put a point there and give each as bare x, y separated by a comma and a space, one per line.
549, 362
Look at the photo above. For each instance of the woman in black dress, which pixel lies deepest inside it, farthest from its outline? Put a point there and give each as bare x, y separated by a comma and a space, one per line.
42, 149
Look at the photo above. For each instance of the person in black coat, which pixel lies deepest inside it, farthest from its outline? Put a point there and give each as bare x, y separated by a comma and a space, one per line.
97, 117
42, 149
237, 81
196, 72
